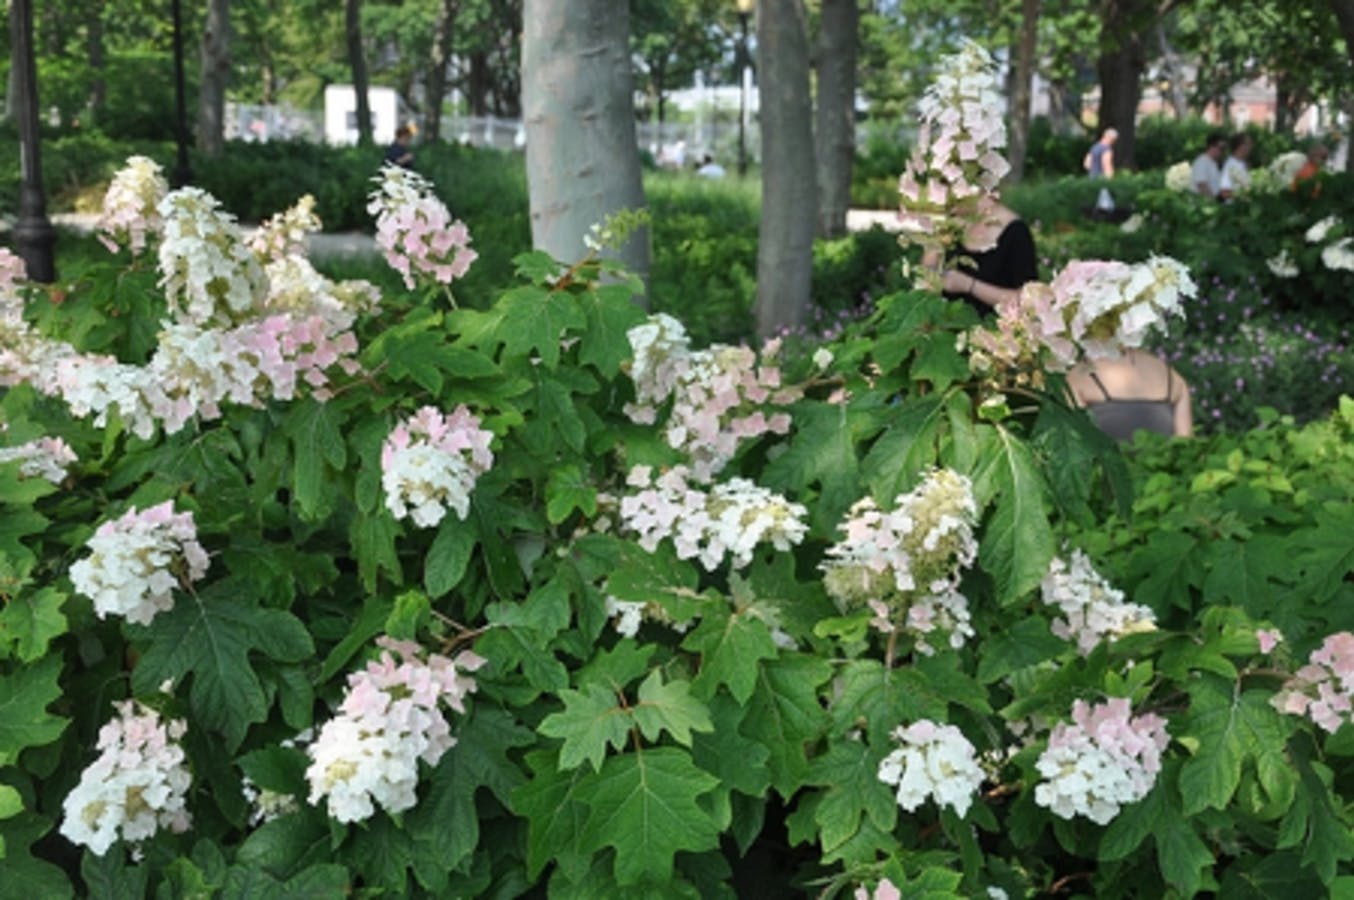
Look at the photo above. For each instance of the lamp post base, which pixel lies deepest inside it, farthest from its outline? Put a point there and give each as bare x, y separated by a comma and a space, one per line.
34, 242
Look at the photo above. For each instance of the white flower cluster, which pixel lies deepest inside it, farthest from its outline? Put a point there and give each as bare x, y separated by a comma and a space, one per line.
285, 234
1178, 177
1322, 689
1283, 169
1105, 758
719, 395
729, 519
1339, 255
137, 560
431, 462
1116, 305
420, 239
209, 275
1092, 609
1282, 265
131, 206
957, 157
934, 762
906, 564
390, 718
45, 457
135, 787
289, 326
1317, 231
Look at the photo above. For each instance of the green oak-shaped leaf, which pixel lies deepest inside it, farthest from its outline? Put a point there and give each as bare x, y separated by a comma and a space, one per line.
30, 621
644, 804
849, 772
1017, 543
669, 707
785, 714
534, 320
24, 696
555, 816
731, 645
591, 719
211, 637
1234, 730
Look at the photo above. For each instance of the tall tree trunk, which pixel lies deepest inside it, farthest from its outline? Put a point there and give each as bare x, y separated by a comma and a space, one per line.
211, 125
789, 196
1021, 89
1120, 68
477, 84
579, 111
94, 46
357, 60
1175, 74
835, 131
436, 87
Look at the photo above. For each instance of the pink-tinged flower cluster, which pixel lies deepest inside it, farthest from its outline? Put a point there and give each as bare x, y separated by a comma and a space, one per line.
285, 234
136, 786
935, 762
430, 463
720, 396
137, 560
420, 239
1093, 610
390, 718
957, 158
1105, 758
131, 212
729, 519
1092, 309
905, 564
208, 273
1321, 690
885, 890
45, 457
12, 273
1268, 639
194, 370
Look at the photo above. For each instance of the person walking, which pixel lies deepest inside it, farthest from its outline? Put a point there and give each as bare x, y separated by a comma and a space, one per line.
1099, 161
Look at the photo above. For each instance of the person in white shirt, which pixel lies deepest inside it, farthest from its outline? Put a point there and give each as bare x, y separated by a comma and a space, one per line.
1236, 176
1205, 176
709, 168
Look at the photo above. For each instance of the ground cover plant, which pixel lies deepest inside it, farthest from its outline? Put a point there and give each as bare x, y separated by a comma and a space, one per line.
399, 598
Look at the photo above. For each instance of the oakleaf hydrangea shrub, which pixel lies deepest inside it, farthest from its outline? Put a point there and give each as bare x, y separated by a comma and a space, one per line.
649, 610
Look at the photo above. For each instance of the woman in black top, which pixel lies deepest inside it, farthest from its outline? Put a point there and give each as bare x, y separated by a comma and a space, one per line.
997, 260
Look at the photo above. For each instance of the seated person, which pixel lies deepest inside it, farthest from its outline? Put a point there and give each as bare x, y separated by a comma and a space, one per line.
997, 260
398, 153
1205, 175
1133, 391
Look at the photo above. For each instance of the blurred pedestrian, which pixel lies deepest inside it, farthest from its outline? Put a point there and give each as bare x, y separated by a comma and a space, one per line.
1236, 174
1205, 176
1316, 158
398, 153
1099, 161
1132, 392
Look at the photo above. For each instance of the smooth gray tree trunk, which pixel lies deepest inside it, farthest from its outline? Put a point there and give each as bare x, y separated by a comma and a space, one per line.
789, 195
835, 125
579, 111
211, 122
357, 60
1018, 147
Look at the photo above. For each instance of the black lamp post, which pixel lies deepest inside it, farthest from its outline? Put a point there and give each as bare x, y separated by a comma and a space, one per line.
745, 8
34, 237
182, 174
